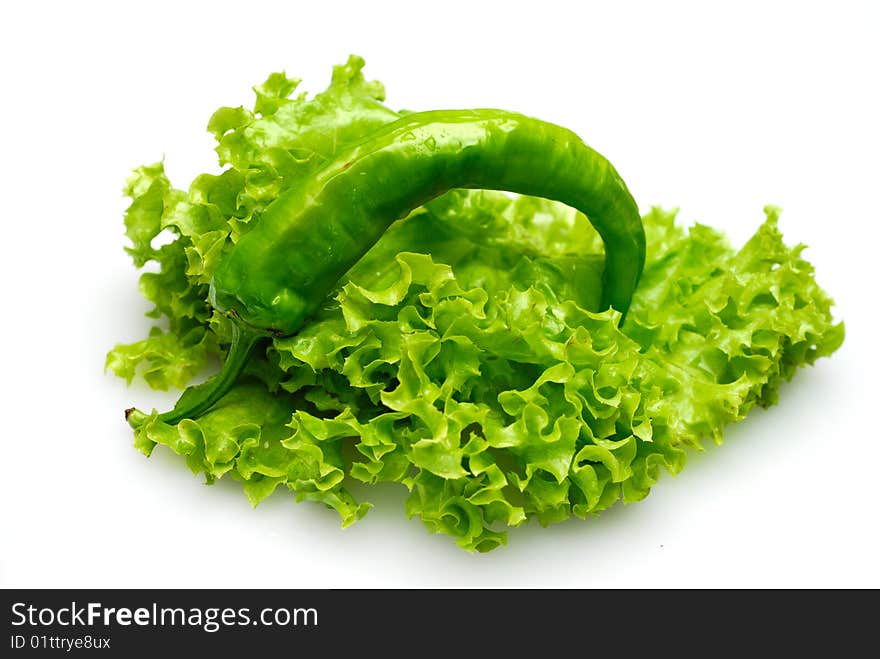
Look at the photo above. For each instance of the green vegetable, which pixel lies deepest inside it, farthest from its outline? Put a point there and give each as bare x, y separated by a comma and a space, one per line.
470, 354
280, 272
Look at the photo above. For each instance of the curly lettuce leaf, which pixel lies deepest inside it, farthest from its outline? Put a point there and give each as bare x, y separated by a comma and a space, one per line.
464, 357
269, 148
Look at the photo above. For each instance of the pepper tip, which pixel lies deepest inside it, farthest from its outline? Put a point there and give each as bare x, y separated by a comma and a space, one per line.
135, 417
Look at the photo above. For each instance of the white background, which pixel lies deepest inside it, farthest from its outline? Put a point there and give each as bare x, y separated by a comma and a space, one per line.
717, 111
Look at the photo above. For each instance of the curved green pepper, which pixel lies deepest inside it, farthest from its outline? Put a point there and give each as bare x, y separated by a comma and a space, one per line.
281, 271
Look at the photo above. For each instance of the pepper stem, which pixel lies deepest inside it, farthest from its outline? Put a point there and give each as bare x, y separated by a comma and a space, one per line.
200, 398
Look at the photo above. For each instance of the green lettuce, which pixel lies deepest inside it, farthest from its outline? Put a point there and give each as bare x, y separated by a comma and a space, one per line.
464, 356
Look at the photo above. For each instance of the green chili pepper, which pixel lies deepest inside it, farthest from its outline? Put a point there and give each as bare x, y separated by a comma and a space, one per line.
280, 272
